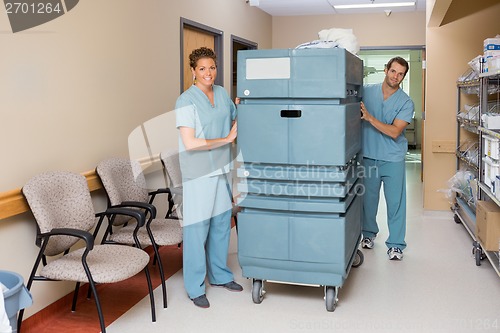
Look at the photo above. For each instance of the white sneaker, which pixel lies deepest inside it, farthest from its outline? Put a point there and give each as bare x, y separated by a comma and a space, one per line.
367, 243
395, 253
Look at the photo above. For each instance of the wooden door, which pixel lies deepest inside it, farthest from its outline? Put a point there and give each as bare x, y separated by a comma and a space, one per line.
422, 123
194, 39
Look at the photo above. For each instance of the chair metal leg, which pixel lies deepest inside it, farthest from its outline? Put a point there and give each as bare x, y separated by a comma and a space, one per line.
94, 291
89, 293
160, 266
75, 297
20, 320
39, 258
151, 296
162, 274
98, 305
154, 259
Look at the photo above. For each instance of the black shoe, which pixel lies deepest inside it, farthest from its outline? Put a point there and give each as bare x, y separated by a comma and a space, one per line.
231, 286
201, 301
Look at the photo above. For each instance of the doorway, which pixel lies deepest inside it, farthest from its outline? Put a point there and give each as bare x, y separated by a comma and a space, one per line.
195, 35
374, 61
238, 44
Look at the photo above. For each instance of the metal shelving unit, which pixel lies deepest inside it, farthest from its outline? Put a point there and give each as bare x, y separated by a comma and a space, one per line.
489, 90
465, 215
468, 153
468, 121
480, 90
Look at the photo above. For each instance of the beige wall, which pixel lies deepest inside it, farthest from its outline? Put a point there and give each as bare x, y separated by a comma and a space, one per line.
399, 29
73, 89
449, 49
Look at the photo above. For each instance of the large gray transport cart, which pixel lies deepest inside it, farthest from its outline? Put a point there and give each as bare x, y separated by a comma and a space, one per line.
299, 142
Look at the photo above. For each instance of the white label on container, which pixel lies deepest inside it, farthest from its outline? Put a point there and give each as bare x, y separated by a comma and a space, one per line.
268, 68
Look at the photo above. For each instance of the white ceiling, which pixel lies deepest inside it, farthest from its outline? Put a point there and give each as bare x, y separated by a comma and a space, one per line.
319, 7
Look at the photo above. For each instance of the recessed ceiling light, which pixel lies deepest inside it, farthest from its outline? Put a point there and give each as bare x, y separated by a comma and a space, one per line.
375, 5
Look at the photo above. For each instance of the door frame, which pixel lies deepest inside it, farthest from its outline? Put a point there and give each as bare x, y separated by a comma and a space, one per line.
218, 48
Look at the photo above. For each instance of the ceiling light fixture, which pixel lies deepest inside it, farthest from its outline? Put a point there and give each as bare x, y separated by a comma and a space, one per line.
376, 5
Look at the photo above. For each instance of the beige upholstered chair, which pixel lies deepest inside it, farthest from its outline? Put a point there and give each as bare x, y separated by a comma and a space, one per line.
125, 186
63, 210
171, 165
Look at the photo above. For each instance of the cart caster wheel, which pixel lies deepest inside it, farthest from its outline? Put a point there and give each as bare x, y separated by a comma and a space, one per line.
456, 219
257, 291
478, 253
331, 299
358, 259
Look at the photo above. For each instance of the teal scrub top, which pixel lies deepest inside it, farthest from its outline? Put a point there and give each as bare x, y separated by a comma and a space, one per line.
193, 109
377, 145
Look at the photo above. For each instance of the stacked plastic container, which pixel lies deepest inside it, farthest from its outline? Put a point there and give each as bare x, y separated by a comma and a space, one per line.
491, 159
299, 142
492, 55
491, 120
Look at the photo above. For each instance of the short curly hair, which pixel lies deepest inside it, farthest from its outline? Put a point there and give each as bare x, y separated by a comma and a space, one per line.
202, 52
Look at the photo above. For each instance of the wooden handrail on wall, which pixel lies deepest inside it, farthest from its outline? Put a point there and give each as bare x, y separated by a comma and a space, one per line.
13, 203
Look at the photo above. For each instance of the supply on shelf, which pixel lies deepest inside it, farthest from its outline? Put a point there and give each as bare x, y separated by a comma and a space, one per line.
491, 116
463, 183
475, 64
470, 114
493, 89
493, 63
491, 171
491, 147
469, 82
497, 186
468, 151
491, 57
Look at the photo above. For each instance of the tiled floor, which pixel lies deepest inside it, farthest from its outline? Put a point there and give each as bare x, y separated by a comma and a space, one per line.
436, 288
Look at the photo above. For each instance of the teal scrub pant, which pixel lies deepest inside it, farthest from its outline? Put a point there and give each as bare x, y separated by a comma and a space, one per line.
393, 176
206, 234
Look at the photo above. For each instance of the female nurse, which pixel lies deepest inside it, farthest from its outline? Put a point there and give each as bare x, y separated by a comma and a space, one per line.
205, 117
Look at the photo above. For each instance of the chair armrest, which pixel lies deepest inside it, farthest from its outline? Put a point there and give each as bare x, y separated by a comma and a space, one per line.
139, 216
169, 190
160, 191
85, 235
165, 190
137, 204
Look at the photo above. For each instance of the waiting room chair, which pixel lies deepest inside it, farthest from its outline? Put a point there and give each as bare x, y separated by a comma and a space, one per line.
125, 186
64, 213
171, 165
